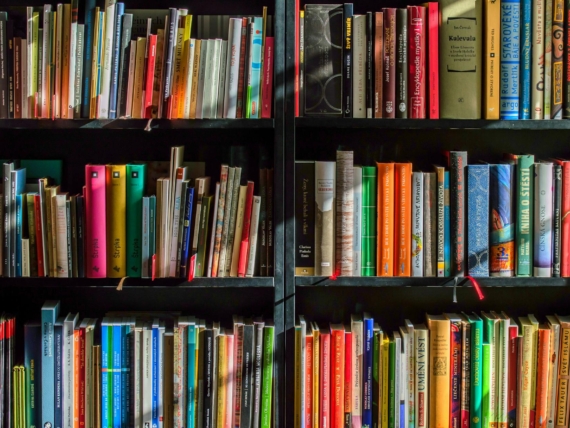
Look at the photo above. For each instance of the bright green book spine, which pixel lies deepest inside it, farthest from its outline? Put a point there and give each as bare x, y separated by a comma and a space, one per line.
368, 221
136, 174
476, 371
486, 393
392, 392
490, 336
267, 383
525, 203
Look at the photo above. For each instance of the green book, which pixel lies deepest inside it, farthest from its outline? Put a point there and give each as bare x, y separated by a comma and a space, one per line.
476, 372
136, 174
267, 383
392, 385
490, 337
201, 266
524, 207
486, 393
368, 221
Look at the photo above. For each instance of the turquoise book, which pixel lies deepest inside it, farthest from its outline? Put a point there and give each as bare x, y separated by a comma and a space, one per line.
369, 221
191, 387
526, 34
49, 314
32, 357
510, 59
502, 227
446, 226
476, 390
478, 220
136, 178
19, 224
125, 372
254, 83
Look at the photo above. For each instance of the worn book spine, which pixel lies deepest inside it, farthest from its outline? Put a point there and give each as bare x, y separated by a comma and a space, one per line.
557, 55
389, 73
510, 59
378, 62
492, 83
548, 60
344, 213
557, 220
325, 189
219, 220
417, 62
369, 64
537, 60
359, 66
418, 241
525, 67
440, 380
502, 227
385, 201
457, 164
347, 64
402, 221
543, 219
402, 63
369, 220
430, 224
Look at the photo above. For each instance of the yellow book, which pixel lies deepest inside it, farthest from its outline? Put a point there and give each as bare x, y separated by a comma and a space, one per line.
187, 25
385, 376
491, 82
195, 70
316, 372
440, 368
33, 85
137, 112
222, 377
94, 72
563, 378
65, 58
116, 202
528, 373
534, 365
177, 74
51, 222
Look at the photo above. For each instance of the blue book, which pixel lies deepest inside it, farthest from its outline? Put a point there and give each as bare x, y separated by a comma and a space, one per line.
367, 361
502, 226
155, 374
125, 372
32, 358
18, 177
106, 372
525, 44
151, 231
58, 386
510, 59
119, 10
117, 351
87, 60
478, 220
191, 411
184, 257
446, 226
50, 312
253, 106
19, 220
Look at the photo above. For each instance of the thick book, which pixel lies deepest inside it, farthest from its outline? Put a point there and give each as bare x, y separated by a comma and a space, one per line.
402, 219
385, 256
347, 59
116, 192
537, 60
510, 59
556, 219
49, 314
369, 220
389, 81
344, 213
502, 227
477, 251
305, 218
440, 380
323, 59
543, 219
417, 23
325, 189
32, 363
359, 66
402, 63
461, 24
457, 164
135, 180
232, 67
357, 223
418, 241
95, 214
254, 76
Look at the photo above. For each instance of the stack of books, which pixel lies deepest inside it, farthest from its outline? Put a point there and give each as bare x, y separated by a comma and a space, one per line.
456, 370
452, 59
386, 220
133, 63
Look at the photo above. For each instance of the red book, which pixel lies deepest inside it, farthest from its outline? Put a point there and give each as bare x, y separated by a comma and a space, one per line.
267, 92
433, 59
417, 61
389, 80
150, 63
39, 236
378, 63
244, 247
347, 379
337, 376
297, 56
82, 369
241, 75
565, 244
325, 377
513, 364
308, 380
95, 222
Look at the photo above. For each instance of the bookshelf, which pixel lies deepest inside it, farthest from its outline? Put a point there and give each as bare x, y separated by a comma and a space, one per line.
78, 142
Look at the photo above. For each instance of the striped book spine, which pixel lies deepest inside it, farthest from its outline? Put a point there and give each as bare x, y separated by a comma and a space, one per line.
510, 59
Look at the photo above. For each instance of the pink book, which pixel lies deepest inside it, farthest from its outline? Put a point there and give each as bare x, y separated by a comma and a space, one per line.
244, 246
267, 85
150, 64
95, 225
417, 61
230, 382
325, 379
433, 58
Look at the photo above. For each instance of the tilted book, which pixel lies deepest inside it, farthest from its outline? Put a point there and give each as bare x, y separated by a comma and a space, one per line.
478, 220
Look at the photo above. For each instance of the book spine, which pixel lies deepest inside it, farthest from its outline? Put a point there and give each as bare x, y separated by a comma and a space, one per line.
233, 60
537, 60
565, 221
478, 221
525, 214
229, 201
116, 193
39, 236
465, 373
369, 221
513, 361
455, 388
95, 214
305, 218
430, 224
48, 317
241, 73
357, 361
145, 250
80, 213
32, 356
344, 212
147, 106
3, 67
124, 57
418, 239
440, 175
492, 83
543, 360
476, 365
421, 356
385, 257
270, 224
439, 352
267, 86
347, 64
18, 252
510, 59
135, 180
367, 362
402, 63
378, 62
347, 399
89, 22
233, 229
369, 64
525, 65
255, 76
417, 62
17, 77
32, 235
556, 219
457, 164
78, 78
389, 81
359, 66
543, 220
59, 419
107, 59
502, 244
245, 239
219, 223
324, 231
10, 72
116, 376
325, 391
402, 221
557, 55
433, 59
169, 46
337, 380
548, 83
561, 415
187, 222
253, 237
267, 386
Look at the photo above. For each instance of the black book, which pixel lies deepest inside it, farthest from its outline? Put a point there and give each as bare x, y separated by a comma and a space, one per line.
402, 63
262, 234
3, 67
305, 218
247, 375
10, 66
169, 41
58, 376
80, 225
556, 223
32, 358
323, 59
258, 325
347, 61
124, 64
369, 65
269, 221
9, 348
208, 369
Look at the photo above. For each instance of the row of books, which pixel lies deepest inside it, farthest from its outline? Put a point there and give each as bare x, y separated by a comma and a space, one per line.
139, 370
133, 63
480, 220
113, 229
452, 59
456, 370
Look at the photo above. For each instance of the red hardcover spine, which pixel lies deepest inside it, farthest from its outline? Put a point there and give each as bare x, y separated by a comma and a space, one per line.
455, 385
565, 247
151, 59
325, 378
417, 61
389, 80
337, 378
297, 56
39, 236
347, 379
267, 92
513, 378
433, 59
244, 246
378, 63
308, 381
241, 75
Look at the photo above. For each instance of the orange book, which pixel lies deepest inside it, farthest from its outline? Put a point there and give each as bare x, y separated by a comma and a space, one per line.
385, 204
309, 340
403, 219
440, 368
337, 376
542, 376
82, 374
76, 375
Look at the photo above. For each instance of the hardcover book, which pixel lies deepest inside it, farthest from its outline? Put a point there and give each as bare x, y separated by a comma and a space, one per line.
543, 219
430, 224
557, 55
357, 223
417, 60
502, 227
510, 59
116, 190
344, 211
418, 241
492, 83
347, 65
440, 377
378, 62
325, 185
402, 63
389, 80
385, 257
402, 219
537, 60
369, 221
478, 220
95, 214
457, 164
359, 66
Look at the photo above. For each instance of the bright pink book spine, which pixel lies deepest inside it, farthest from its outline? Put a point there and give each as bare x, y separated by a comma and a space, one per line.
324, 411
267, 92
151, 59
244, 246
433, 59
417, 61
96, 241
565, 247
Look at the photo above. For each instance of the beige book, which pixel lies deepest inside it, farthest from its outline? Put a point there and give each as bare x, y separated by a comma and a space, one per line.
157, 71
137, 109
59, 211
188, 68
253, 228
50, 192
226, 224
25, 257
233, 218
537, 60
239, 230
65, 59
345, 211
59, 30
528, 377
195, 71
325, 183
131, 80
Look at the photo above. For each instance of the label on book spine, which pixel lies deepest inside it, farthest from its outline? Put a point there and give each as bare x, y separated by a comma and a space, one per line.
510, 59
478, 220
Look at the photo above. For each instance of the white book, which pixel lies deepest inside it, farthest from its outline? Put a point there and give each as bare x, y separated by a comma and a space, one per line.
410, 375
61, 234
204, 47
357, 328
543, 219
173, 257
45, 100
72, 56
502, 356
344, 211
253, 228
403, 378
188, 79
103, 103
359, 66
59, 58
417, 224
68, 357
29, 93
213, 232
232, 68
145, 250
357, 216
208, 77
215, 83
25, 90
25, 257
147, 376
421, 335
227, 210
222, 80
325, 186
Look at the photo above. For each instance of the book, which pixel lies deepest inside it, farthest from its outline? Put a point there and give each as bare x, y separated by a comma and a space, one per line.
50, 312
430, 223
510, 59
389, 54
526, 35
402, 63
242, 253
337, 376
557, 55
358, 77
402, 219
116, 191
417, 23
95, 226
439, 382
324, 230
344, 212
357, 361
457, 164
386, 206
305, 218
492, 83
357, 223
135, 179
544, 354
253, 238
478, 220
347, 59
537, 60
556, 218
367, 361
418, 241
378, 62
369, 220
543, 219
370, 24
528, 377
502, 235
